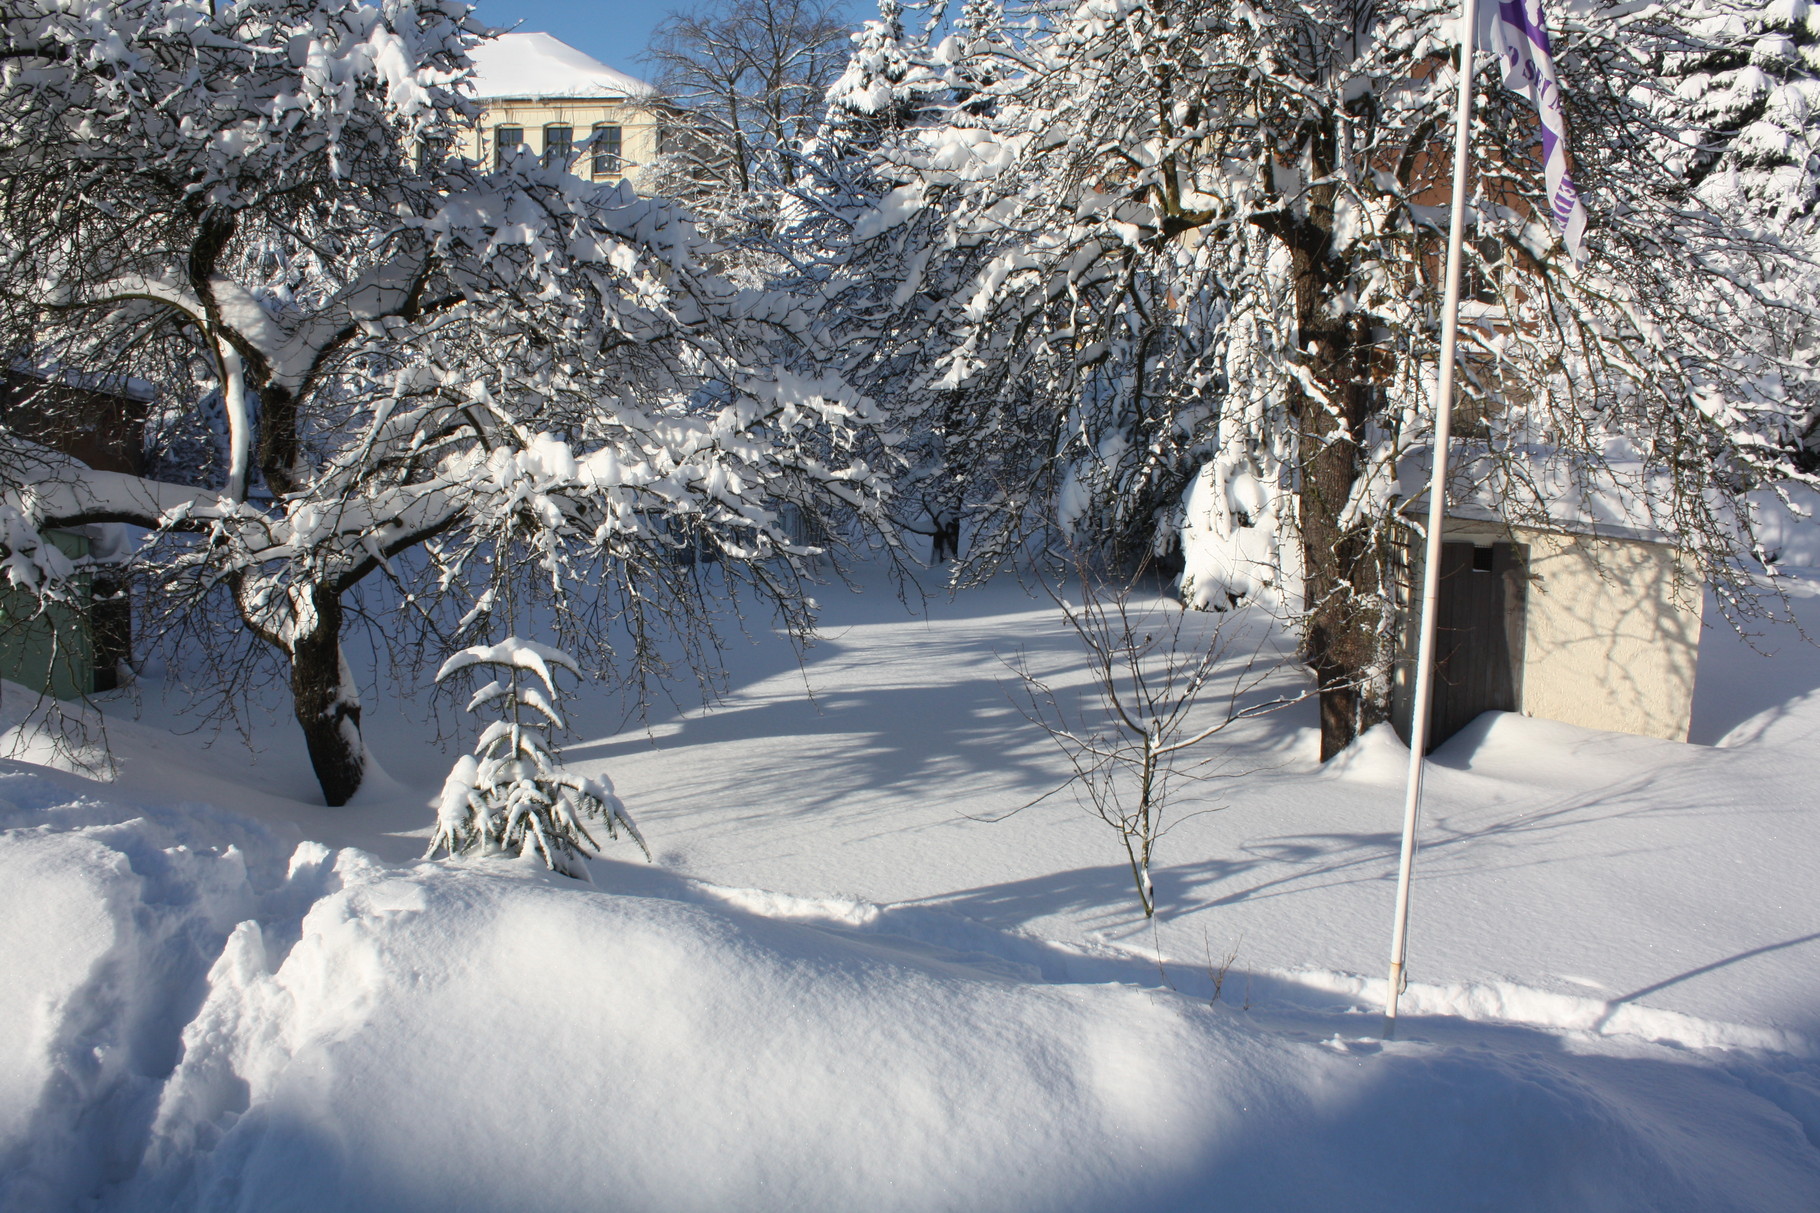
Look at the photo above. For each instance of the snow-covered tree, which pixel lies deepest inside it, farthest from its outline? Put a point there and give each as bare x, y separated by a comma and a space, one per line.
500, 379
890, 83
740, 86
747, 79
513, 793
1747, 91
1747, 84
1190, 241
895, 87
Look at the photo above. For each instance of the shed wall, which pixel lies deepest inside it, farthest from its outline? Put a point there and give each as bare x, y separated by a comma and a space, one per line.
1613, 634
49, 648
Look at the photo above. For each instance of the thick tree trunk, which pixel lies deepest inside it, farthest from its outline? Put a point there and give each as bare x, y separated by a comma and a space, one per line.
1342, 576
326, 703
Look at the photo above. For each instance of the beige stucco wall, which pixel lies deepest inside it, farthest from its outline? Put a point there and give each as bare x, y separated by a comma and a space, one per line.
1612, 635
638, 133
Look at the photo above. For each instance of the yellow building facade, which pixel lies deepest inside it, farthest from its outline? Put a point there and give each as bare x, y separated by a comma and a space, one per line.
540, 96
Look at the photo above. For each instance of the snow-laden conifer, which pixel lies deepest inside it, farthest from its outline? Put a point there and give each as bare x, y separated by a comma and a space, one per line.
513, 793
1747, 84
890, 81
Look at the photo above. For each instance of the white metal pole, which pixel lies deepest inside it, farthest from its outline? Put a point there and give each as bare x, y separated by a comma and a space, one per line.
1437, 512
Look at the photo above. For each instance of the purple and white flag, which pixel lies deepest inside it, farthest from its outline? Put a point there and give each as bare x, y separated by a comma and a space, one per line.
1515, 31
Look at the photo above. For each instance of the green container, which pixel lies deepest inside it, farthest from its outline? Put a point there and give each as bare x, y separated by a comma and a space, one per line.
50, 648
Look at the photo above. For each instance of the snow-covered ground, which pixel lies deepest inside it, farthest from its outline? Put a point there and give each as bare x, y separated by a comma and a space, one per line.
862, 975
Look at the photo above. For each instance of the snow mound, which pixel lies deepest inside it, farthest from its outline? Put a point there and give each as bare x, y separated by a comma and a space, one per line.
91, 1009
213, 1028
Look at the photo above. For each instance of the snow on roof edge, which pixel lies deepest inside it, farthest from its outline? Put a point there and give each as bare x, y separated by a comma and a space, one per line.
1605, 496
533, 64
125, 386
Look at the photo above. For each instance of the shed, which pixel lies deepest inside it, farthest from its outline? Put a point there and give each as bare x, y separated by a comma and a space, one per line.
71, 650
99, 420
1590, 624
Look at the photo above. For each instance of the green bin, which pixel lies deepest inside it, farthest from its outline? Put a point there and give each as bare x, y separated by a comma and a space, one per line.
50, 648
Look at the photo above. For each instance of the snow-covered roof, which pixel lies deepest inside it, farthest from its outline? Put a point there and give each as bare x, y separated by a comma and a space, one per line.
111, 385
540, 65
1611, 495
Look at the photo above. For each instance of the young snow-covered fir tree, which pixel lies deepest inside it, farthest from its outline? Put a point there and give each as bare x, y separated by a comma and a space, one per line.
513, 794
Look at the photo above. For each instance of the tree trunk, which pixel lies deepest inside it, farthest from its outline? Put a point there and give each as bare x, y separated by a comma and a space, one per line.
1341, 571
326, 702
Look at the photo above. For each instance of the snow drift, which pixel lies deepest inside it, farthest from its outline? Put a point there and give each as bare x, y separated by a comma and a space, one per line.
214, 1026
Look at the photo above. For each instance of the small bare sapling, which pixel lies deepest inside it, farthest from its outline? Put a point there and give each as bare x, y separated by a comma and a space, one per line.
1160, 692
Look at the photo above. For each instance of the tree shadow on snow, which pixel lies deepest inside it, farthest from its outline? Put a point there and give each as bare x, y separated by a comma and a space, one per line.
1756, 679
1470, 1115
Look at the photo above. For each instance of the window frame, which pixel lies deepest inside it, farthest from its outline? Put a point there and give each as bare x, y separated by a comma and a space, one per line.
604, 163
501, 149
567, 144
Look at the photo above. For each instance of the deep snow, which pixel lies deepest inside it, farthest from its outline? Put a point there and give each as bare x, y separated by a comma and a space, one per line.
852, 981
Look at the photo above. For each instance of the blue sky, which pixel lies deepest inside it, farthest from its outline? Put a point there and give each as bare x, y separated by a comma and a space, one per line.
613, 31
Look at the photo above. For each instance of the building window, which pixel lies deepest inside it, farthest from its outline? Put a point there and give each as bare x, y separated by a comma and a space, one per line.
1478, 280
432, 150
506, 141
558, 146
606, 141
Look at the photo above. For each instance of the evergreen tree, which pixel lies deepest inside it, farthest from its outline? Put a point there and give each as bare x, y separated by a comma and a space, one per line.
1748, 91
513, 793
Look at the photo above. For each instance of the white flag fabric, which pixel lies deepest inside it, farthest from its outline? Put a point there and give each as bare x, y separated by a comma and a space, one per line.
1515, 31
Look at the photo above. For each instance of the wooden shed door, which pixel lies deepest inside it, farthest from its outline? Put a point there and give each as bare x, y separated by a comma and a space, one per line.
1478, 635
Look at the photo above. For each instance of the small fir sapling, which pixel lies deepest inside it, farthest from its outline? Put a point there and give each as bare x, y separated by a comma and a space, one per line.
513, 794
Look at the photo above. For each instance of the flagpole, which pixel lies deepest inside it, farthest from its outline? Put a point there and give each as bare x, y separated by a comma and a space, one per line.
1437, 511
